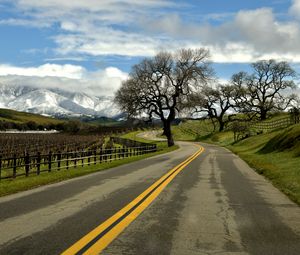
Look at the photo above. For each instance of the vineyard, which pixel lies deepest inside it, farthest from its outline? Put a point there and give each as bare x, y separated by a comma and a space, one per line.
241, 128
270, 125
32, 154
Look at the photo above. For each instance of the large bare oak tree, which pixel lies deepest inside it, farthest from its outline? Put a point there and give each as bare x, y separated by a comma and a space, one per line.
157, 86
264, 90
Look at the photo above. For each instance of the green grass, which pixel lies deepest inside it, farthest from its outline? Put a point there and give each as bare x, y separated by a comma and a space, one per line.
134, 136
25, 183
183, 135
161, 145
23, 117
276, 155
192, 130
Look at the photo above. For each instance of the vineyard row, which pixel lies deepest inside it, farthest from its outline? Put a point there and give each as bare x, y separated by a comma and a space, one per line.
37, 163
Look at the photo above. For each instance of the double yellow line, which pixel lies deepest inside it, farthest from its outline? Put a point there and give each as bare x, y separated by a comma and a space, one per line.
99, 238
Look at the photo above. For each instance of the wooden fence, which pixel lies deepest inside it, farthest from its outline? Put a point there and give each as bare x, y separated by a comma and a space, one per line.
244, 129
273, 124
13, 167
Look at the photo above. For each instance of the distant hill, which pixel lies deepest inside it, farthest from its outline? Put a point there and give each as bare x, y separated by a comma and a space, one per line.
103, 121
15, 120
24, 117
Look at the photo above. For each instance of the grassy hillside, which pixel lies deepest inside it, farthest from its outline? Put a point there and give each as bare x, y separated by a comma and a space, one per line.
276, 155
192, 130
23, 117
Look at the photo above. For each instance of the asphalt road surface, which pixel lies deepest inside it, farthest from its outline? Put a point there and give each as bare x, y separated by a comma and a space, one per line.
215, 204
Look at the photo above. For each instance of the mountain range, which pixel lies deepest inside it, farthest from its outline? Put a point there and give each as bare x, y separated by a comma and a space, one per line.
55, 102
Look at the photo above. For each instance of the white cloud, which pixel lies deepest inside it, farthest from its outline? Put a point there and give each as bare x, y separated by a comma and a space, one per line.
94, 33
67, 77
104, 82
107, 42
250, 36
92, 5
260, 29
24, 23
141, 28
110, 11
54, 70
295, 8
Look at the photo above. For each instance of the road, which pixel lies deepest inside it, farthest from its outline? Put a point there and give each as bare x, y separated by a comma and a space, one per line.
216, 204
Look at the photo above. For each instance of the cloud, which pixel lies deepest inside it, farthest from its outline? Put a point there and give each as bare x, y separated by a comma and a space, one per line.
54, 70
67, 77
295, 8
250, 36
97, 31
92, 5
111, 11
24, 23
260, 29
107, 42
142, 28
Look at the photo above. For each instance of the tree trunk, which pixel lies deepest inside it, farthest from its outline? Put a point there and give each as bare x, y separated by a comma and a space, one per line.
221, 125
263, 114
167, 132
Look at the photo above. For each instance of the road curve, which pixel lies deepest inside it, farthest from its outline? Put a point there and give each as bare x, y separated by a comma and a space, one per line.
215, 205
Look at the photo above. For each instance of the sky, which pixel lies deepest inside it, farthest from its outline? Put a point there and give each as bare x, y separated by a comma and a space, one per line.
91, 45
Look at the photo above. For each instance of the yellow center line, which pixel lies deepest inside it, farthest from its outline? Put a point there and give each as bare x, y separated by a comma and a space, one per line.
94, 242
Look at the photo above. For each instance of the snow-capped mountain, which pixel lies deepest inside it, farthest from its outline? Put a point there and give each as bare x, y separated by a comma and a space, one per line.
55, 102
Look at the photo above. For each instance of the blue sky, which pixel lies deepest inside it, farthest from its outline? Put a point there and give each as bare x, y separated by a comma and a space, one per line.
94, 43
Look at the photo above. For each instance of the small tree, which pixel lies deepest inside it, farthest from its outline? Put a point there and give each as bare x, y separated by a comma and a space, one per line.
157, 85
215, 102
263, 91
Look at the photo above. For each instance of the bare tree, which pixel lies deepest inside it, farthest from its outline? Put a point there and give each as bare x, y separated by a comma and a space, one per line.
157, 85
263, 91
215, 102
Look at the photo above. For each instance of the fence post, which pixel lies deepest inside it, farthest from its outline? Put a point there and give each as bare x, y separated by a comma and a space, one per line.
38, 163
75, 159
67, 160
89, 157
110, 150
49, 161
123, 152
100, 153
14, 166
95, 156
82, 158
117, 153
0, 165
58, 160
27, 164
